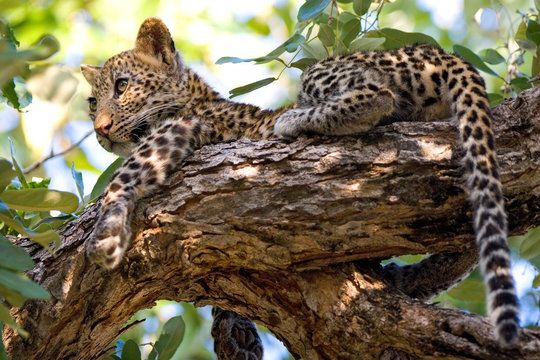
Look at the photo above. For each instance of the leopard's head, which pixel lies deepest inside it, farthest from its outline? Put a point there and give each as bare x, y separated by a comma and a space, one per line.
137, 88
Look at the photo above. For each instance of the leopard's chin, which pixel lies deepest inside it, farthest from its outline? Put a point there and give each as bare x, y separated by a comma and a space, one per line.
104, 142
124, 150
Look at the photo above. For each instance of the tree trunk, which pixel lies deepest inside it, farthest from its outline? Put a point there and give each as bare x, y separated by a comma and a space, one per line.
291, 236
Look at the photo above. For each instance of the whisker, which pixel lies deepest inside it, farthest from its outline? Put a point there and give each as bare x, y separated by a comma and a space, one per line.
144, 115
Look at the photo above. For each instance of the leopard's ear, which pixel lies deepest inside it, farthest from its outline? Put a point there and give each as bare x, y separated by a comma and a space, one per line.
90, 72
155, 40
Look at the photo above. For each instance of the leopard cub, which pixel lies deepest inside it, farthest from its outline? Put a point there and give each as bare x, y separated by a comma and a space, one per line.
150, 108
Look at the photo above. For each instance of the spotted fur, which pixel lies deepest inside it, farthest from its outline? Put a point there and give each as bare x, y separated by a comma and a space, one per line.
235, 337
149, 107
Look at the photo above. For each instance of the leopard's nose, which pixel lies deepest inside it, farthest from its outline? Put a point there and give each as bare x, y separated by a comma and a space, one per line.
103, 125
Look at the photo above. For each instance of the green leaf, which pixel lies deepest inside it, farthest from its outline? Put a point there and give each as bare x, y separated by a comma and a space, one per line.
535, 67
22, 284
8, 91
530, 247
326, 35
257, 26
535, 261
361, 6
536, 281
10, 70
11, 219
13, 62
350, 31
42, 227
6, 318
397, 38
232, 60
250, 87
290, 45
313, 51
7, 33
492, 56
236, 60
468, 290
170, 339
52, 222
537, 4
77, 176
312, 8
46, 46
366, 44
131, 351
15, 94
304, 63
112, 357
40, 200
495, 99
520, 83
515, 241
43, 238
533, 31
18, 170
521, 38
344, 17
104, 178
43, 184
6, 173
13, 297
14, 257
301, 25
474, 59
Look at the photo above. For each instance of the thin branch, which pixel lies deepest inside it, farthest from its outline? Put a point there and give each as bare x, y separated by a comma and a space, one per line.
52, 155
112, 349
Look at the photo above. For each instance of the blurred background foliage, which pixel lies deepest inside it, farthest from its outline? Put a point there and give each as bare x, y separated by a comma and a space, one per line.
43, 110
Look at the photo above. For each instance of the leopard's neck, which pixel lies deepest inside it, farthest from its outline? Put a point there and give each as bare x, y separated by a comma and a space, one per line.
229, 119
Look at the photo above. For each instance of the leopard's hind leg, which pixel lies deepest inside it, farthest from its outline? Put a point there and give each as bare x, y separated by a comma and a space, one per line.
354, 111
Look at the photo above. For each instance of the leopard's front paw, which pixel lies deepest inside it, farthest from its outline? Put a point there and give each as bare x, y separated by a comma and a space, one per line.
110, 239
287, 125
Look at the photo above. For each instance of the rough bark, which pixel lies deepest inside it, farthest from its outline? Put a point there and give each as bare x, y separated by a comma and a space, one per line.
291, 235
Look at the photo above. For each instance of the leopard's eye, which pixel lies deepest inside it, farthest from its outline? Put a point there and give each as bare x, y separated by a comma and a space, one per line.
120, 86
92, 104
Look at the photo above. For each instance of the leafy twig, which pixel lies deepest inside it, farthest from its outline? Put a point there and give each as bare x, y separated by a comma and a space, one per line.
330, 16
52, 155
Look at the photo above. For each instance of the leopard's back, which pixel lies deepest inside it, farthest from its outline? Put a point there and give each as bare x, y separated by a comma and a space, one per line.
416, 75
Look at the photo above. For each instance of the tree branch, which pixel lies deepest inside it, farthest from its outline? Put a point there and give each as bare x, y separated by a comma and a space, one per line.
53, 155
274, 231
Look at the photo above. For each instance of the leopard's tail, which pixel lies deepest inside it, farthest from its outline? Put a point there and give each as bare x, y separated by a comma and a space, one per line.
471, 108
